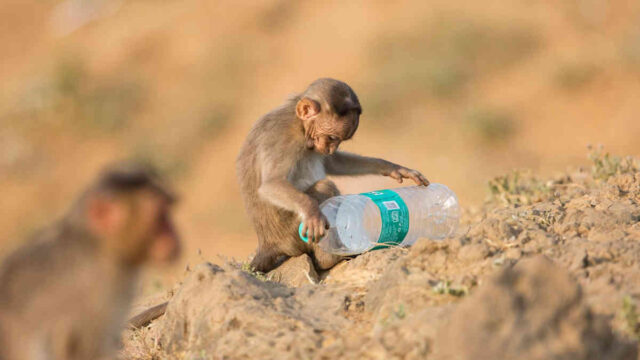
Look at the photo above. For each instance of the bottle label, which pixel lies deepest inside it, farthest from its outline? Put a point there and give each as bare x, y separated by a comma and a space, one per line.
394, 215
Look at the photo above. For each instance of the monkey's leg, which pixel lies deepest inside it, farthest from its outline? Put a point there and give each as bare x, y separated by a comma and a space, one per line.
321, 191
266, 260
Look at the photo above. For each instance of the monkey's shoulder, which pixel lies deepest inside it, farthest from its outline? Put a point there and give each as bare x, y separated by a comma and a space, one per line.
276, 129
41, 260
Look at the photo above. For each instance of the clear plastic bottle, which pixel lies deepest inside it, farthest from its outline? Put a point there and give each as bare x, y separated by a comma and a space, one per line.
367, 221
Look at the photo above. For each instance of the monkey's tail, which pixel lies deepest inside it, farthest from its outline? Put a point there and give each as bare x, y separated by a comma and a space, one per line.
147, 316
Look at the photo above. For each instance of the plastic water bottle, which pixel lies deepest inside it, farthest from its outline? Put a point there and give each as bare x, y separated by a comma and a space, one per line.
384, 218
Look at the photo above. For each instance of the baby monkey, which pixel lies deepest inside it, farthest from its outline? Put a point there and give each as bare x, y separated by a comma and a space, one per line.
66, 295
283, 164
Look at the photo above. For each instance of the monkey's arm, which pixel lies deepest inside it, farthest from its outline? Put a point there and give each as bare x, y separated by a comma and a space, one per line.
276, 189
280, 192
344, 163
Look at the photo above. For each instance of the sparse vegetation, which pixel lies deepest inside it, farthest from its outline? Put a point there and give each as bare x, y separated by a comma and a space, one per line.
445, 287
573, 76
216, 120
518, 187
522, 188
276, 16
606, 165
246, 267
491, 126
91, 103
67, 77
631, 316
442, 58
400, 312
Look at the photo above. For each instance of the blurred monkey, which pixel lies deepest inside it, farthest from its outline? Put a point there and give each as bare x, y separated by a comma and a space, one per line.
66, 295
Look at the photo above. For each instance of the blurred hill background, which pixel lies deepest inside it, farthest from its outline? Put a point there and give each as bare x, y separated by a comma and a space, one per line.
462, 91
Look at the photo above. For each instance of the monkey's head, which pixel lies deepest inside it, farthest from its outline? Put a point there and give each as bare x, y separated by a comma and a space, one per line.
129, 211
330, 111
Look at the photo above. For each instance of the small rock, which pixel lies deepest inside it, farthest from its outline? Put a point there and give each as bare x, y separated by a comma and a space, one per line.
473, 252
363, 269
513, 253
295, 272
580, 261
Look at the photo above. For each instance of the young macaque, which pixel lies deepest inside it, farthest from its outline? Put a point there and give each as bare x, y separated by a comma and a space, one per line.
283, 164
66, 294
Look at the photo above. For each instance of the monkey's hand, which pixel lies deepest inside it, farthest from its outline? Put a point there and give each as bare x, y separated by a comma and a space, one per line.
400, 172
314, 224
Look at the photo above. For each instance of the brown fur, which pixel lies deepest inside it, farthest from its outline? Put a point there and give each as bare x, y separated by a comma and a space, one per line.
65, 295
283, 163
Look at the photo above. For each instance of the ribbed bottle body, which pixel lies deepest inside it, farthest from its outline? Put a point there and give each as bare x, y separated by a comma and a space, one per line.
357, 221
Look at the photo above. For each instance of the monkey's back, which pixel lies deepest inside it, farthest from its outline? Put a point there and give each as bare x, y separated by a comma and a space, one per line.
273, 132
49, 287
279, 135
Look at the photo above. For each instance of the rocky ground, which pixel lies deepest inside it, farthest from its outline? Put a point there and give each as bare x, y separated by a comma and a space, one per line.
544, 270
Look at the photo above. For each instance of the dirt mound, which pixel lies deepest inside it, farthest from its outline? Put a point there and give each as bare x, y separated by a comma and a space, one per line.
230, 314
578, 303
533, 310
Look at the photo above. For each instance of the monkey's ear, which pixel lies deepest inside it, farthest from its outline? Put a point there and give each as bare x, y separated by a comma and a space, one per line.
307, 108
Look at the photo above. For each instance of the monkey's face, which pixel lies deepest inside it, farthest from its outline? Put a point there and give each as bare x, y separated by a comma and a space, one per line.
136, 227
325, 129
156, 230
330, 131
326, 144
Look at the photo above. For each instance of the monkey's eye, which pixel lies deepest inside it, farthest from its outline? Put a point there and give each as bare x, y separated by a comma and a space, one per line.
333, 138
